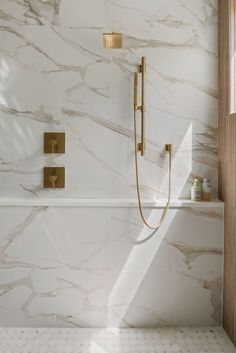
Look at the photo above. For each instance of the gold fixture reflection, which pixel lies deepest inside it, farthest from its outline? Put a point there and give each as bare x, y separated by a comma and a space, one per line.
112, 40
54, 177
140, 147
54, 142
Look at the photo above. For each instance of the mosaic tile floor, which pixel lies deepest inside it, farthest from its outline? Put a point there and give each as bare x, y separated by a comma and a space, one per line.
162, 340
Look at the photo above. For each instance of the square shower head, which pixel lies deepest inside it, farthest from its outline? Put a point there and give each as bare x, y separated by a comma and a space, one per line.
112, 40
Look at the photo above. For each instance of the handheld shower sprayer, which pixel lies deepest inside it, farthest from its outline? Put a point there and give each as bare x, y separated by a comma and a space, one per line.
141, 147
142, 70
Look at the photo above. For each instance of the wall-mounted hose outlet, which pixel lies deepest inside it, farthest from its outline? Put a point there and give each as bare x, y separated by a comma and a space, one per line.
54, 177
54, 142
169, 147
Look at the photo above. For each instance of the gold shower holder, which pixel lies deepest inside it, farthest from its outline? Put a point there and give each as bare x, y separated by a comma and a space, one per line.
142, 147
140, 68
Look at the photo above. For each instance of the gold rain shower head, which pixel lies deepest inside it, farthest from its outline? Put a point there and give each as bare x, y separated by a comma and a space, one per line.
112, 40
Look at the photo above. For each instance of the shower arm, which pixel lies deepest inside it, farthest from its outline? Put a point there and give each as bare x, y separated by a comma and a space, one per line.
142, 70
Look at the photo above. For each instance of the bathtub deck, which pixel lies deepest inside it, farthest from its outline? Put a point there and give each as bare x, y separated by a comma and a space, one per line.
165, 340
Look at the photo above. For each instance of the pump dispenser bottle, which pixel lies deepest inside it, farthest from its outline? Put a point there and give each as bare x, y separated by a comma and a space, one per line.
196, 190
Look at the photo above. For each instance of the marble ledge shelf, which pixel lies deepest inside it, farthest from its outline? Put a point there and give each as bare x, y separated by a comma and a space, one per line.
96, 202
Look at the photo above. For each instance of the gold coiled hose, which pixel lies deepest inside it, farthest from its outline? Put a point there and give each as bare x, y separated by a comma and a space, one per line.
166, 208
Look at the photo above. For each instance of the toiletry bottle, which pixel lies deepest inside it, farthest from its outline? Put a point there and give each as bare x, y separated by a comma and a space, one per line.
196, 190
206, 189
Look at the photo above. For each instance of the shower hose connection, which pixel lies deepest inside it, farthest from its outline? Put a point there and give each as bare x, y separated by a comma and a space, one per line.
166, 208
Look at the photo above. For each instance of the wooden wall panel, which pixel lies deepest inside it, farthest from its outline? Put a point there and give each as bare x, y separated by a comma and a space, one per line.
224, 96
229, 178
227, 158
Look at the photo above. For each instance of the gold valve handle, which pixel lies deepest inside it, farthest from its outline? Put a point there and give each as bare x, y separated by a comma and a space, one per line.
53, 180
53, 143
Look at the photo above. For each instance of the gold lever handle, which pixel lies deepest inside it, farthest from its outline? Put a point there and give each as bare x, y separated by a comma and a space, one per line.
52, 180
53, 143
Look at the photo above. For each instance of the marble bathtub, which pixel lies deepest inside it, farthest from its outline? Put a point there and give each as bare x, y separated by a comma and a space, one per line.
77, 263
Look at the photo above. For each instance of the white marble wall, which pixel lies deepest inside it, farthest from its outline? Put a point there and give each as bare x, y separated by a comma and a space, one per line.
75, 266
55, 75
59, 267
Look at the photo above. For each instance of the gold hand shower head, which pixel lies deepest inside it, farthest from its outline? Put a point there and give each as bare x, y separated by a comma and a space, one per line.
112, 40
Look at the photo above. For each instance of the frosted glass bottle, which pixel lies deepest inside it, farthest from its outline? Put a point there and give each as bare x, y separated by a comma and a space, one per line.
206, 189
196, 190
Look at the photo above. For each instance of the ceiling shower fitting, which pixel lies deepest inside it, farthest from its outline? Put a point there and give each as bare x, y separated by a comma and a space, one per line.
112, 40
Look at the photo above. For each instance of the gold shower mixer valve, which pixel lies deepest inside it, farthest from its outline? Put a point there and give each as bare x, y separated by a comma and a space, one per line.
54, 142
54, 177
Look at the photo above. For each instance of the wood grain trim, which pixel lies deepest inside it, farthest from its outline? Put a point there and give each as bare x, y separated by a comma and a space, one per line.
224, 84
227, 155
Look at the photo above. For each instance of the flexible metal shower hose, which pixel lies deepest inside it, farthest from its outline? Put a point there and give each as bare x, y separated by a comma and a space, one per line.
166, 208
